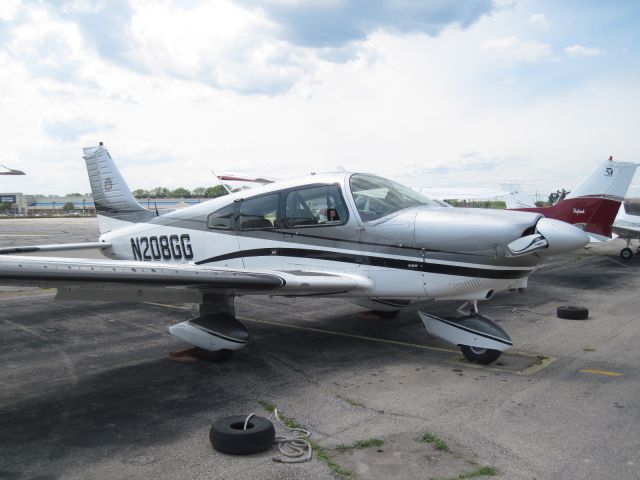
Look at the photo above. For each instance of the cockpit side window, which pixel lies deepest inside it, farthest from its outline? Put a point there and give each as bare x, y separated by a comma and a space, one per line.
221, 219
377, 197
315, 206
259, 212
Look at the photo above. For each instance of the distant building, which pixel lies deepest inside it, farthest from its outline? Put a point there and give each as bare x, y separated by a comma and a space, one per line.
35, 205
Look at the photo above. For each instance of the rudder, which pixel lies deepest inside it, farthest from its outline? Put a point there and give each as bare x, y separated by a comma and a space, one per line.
113, 200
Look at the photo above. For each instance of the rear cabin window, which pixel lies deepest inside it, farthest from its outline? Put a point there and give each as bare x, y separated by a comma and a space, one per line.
315, 206
222, 219
259, 212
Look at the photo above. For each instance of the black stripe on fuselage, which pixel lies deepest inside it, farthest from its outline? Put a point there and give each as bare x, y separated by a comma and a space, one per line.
369, 260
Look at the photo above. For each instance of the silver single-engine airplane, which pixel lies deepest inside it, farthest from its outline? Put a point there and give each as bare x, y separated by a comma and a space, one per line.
351, 235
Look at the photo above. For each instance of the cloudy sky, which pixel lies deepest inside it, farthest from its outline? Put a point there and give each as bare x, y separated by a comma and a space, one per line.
430, 93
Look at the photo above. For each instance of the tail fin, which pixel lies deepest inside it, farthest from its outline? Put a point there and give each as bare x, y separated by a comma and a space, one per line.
114, 201
516, 198
594, 203
609, 180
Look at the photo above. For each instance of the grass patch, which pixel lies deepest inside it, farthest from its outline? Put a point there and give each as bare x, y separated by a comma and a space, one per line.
485, 471
353, 403
360, 444
320, 452
478, 472
323, 455
437, 442
288, 421
268, 406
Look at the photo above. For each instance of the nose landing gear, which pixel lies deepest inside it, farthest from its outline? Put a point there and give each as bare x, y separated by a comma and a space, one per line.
480, 339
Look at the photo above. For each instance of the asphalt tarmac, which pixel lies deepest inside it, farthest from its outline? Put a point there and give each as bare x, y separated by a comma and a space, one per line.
87, 389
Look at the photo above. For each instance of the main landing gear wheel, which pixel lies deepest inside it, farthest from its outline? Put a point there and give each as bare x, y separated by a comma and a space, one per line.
484, 356
626, 253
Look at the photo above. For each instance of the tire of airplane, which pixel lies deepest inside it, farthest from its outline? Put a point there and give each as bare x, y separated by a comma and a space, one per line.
626, 253
227, 435
219, 356
572, 312
484, 356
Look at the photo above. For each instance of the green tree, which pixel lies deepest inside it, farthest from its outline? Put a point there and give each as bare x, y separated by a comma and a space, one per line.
74, 194
68, 207
140, 193
217, 191
198, 192
160, 192
181, 193
4, 206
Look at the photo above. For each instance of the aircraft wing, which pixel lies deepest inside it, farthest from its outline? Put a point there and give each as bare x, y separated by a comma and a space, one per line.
626, 229
10, 171
136, 276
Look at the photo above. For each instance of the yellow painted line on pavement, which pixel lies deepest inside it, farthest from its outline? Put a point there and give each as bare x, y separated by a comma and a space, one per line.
327, 332
537, 365
351, 335
601, 372
177, 307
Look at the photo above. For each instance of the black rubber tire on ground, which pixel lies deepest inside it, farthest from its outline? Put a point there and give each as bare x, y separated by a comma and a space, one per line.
572, 312
626, 253
228, 436
484, 356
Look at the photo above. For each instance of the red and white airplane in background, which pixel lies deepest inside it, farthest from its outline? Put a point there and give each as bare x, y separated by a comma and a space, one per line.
595, 205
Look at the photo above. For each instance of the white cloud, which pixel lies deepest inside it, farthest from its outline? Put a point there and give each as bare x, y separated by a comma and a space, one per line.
9, 9
68, 126
579, 51
515, 50
394, 102
540, 20
47, 47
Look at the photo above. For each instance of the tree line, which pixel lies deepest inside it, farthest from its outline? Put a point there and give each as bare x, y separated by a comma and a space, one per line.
163, 192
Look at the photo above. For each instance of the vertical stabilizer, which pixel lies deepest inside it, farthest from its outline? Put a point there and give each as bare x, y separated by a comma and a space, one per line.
516, 198
114, 201
610, 180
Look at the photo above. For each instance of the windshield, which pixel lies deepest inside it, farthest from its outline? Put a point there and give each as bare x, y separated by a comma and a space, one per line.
377, 197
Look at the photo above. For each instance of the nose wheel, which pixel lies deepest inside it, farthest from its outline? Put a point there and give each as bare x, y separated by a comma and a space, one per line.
484, 356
